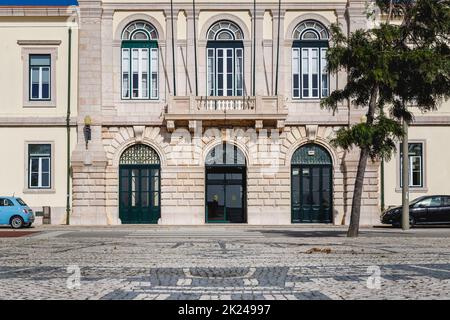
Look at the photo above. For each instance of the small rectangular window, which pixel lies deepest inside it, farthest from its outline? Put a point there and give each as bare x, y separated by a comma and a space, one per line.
296, 72
211, 67
415, 154
305, 73
39, 166
125, 73
40, 76
154, 72
239, 73
324, 72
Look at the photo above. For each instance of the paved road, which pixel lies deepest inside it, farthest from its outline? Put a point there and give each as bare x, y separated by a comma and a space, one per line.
225, 262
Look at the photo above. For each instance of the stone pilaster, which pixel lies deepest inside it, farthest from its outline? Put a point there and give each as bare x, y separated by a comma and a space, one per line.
89, 161
280, 42
258, 20
191, 19
169, 45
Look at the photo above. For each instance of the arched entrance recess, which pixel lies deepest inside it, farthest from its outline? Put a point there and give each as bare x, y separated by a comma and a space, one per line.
311, 185
226, 185
139, 185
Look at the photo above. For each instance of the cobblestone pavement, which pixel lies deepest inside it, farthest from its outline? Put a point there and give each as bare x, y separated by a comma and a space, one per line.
229, 262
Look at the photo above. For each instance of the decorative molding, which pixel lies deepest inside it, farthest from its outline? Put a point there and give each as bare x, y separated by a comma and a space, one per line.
311, 131
39, 42
26, 101
35, 122
139, 133
15, 11
258, 125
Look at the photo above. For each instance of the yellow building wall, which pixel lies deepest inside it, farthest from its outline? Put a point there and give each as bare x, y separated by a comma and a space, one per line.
436, 165
14, 163
11, 64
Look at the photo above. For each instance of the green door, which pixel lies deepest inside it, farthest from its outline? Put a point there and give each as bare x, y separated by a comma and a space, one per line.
311, 185
139, 185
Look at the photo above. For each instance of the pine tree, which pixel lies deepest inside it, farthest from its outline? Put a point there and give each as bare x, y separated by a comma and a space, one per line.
390, 68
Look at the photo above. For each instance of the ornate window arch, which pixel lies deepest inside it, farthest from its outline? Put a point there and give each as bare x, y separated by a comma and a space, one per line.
225, 30
139, 154
225, 59
310, 30
140, 74
310, 78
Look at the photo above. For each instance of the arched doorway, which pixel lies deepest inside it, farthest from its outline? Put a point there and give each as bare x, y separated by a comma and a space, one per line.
311, 185
139, 185
226, 185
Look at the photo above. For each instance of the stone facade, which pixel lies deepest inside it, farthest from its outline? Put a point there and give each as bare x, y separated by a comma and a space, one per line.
267, 137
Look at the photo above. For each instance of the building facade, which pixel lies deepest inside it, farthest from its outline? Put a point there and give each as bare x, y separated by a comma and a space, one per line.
35, 135
188, 113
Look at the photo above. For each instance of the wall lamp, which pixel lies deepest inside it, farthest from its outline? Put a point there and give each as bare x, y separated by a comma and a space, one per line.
87, 129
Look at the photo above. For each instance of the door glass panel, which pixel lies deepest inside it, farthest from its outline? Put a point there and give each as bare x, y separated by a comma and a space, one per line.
145, 199
216, 176
326, 188
134, 186
124, 199
215, 198
145, 184
156, 199
234, 203
296, 186
315, 186
306, 195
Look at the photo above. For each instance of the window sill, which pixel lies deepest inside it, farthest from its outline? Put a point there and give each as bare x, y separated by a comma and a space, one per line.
413, 189
315, 100
39, 104
39, 191
140, 100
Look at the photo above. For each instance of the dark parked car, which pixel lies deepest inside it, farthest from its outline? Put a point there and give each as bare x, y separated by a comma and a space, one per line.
423, 210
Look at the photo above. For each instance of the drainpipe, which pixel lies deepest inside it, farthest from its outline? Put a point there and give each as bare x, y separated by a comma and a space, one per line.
173, 50
69, 67
254, 48
195, 49
278, 48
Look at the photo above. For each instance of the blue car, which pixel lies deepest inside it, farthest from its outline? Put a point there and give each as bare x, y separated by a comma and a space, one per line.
15, 212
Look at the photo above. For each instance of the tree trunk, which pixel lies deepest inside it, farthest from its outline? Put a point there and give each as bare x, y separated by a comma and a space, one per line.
353, 229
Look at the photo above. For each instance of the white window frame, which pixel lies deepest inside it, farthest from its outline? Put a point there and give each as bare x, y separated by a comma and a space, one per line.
410, 162
39, 47
297, 63
213, 75
40, 158
40, 82
152, 92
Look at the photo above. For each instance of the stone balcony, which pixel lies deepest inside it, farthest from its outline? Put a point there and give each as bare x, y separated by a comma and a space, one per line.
257, 111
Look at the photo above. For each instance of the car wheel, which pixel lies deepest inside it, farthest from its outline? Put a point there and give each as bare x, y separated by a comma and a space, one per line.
17, 222
412, 222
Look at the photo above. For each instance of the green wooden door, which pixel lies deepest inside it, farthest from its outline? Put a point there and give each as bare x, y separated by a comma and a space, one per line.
311, 185
139, 185
139, 194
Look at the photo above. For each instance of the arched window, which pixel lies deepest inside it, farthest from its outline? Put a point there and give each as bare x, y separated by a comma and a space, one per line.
225, 154
225, 60
310, 77
140, 61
